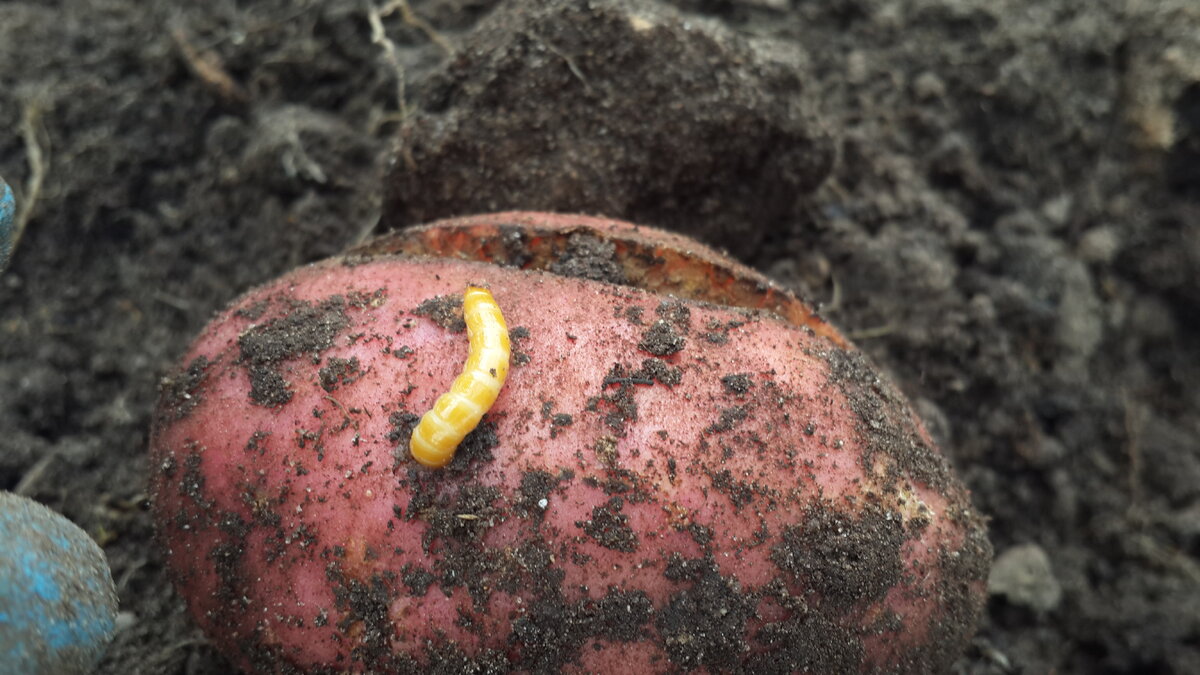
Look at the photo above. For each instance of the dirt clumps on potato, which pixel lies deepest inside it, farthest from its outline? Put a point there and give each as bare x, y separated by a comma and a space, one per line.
305, 330
846, 560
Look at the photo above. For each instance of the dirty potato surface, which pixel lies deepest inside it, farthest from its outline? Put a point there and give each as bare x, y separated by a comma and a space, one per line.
662, 485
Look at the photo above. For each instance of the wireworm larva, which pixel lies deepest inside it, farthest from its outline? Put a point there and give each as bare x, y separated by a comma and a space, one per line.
457, 412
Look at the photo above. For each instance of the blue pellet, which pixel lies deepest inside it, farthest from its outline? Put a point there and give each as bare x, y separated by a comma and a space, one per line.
8, 208
58, 605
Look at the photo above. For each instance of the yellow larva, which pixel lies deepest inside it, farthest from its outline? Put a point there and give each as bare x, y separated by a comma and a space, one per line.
458, 411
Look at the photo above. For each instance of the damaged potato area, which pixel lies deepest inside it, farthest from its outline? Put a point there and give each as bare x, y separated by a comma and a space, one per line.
605, 250
639, 494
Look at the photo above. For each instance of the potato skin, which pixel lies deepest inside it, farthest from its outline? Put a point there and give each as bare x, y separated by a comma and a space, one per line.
662, 486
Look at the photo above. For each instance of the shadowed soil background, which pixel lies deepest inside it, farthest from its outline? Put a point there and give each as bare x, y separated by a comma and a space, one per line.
998, 200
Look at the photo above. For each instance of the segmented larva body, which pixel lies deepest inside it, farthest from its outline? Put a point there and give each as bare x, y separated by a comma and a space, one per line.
458, 411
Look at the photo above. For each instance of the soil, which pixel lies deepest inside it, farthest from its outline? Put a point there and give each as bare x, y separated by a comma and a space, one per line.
998, 200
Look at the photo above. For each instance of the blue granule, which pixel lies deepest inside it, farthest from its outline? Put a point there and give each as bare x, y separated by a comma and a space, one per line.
57, 602
8, 207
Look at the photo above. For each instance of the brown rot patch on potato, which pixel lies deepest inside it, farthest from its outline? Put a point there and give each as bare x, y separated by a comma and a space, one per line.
589, 257
337, 372
885, 422
445, 311
704, 624
179, 393
609, 527
307, 329
844, 559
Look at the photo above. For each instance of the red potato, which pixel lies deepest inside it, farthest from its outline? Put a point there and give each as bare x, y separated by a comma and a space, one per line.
663, 484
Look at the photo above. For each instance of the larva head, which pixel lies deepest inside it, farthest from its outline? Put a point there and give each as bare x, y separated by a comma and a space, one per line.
686, 469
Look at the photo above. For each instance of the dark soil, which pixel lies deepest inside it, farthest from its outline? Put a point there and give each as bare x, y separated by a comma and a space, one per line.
998, 200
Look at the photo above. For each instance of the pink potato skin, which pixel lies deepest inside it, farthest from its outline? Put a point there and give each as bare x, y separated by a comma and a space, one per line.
662, 486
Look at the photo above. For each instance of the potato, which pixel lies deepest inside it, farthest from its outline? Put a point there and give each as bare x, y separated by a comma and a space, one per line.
664, 484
